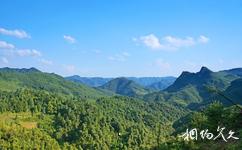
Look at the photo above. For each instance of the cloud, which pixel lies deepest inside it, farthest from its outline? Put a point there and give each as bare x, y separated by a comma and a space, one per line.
46, 62
5, 45
174, 42
203, 39
4, 60
151, 41
28, 52
16, 33
170, 43
69, 39
119, 57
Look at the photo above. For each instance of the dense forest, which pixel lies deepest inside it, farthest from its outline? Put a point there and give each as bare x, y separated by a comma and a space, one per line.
45, 111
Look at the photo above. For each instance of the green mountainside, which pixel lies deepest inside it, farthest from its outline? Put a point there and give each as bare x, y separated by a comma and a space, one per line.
13, 79
55, 122
234, 91
154, 83
90, 81
150, 82
191, 88
163, 84
235, 71
126, 87
45, 111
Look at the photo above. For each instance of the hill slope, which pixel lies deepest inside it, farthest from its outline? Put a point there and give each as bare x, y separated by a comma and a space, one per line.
12, 79
235, 71
90, 81
191, 88
126, 87
155, 83
234, 91
162, 84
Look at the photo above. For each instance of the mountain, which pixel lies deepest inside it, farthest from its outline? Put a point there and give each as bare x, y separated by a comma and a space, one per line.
154, 83
124, 86
13, 79
191, 88
234, 91
235, 71
90, 81
162, 84
149, 81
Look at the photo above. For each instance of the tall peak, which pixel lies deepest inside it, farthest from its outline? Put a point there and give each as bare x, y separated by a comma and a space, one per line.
205, 70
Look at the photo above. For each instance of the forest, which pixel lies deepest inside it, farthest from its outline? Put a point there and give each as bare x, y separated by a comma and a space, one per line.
45, 111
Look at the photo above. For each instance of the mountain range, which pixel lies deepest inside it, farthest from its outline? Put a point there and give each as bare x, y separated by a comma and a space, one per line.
12, 79
155, 83
57, 113
189, 89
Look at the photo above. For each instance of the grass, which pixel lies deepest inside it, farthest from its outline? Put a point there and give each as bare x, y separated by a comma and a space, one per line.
25, 120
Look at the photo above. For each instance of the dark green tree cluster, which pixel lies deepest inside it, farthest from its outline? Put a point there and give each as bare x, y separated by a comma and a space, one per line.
103, 123
210, 118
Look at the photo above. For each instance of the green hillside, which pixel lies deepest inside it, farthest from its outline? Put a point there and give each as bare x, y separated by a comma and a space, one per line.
54, 121
90, 81
124, 86
44, 111
191, 88
12, 79
234, 91
162, 84
209, 119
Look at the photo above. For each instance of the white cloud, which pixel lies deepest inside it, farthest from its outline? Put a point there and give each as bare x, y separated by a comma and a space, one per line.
69, 39
16, 33
28, 52
46, 62
151, 41
203, 39
119, 57
170, 43
5, 45
4, 60
174, 42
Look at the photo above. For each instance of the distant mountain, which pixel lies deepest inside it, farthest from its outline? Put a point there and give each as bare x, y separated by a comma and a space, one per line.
154, 83
162, 84
149, 81
235, 71
12, 79
124, 86
90, 81
190, 88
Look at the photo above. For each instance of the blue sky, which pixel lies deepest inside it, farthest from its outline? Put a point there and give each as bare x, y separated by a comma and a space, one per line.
121, 38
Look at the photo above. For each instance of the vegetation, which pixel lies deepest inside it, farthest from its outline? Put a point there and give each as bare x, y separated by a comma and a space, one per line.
13, 79
115, 122
214, 116
190, 89
44, 111
154, 83
124, 86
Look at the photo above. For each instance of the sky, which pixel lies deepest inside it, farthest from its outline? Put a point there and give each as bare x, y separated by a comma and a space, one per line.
121, 38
